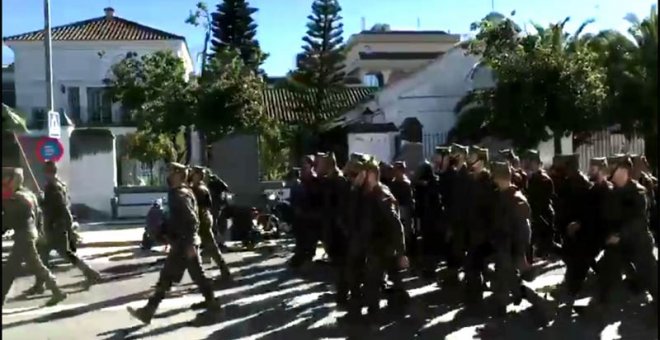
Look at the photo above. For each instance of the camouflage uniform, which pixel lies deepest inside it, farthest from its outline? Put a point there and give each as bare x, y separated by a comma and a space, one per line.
183, 255
428, 215
21, 213
58, 223
402, 190
540, 192
205, 206
510, 238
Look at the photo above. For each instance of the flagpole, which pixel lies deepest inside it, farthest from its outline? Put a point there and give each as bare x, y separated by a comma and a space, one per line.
48, 46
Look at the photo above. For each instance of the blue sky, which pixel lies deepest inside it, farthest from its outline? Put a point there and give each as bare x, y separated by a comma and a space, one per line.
282, 22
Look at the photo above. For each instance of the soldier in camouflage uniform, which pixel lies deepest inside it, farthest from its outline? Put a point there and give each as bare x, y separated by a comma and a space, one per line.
540, 192
628, 239
379, 237
21, 212
457, 180
518, 176
58, 222
479, 213
183, 254
641, 174
510, 238
401, 188
205, 205
428, 216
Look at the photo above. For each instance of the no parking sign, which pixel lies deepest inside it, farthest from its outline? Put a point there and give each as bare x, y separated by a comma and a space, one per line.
49, 149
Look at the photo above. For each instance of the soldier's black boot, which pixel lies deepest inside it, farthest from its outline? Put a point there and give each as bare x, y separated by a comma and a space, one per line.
36, 289
92, 276
144, 314
58, 294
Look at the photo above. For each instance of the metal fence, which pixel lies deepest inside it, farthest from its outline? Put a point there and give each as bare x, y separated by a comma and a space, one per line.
430, 141
607, 144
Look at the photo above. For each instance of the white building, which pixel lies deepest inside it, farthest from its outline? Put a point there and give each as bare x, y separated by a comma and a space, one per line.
82, 54
430, 95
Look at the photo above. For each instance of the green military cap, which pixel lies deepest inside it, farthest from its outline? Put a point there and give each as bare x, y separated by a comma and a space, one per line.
600, 162
198, 170
177, 167
624, 161
400, 165
458, 149
500, 170
442, 150
531, 155
571, 162
370, 164
481, 153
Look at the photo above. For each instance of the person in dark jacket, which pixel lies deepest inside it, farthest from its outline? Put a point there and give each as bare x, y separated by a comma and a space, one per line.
518, 176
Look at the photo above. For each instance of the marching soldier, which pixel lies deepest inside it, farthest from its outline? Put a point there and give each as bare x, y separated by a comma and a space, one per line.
307, 205
427, 213
479, 212
629, 240
183, 255
380, 236
510, 238
540, 192
386, 172
21, 212
446, 173
573, 194
641, 174
58, 223
518, 176
401, 188
456, 213
205, 206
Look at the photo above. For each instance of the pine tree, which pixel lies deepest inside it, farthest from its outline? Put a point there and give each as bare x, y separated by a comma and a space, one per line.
232, 28
322, 64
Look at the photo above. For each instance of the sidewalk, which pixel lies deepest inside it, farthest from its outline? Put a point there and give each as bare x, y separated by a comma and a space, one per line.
124, 237
111, 225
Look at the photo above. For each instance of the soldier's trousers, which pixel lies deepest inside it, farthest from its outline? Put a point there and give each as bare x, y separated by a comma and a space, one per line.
507, 282
579, 255
177, 262
354, 273
542, 236
376, 266
409, 232
60, 244
455, 252
636, 249
210, 248
307, 235
25, 252
475, 265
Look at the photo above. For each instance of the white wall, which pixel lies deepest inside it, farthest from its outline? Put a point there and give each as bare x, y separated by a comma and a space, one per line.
76, 63
380, 145
95, 180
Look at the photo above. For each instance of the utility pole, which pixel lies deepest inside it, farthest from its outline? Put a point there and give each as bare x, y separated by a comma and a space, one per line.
49, 58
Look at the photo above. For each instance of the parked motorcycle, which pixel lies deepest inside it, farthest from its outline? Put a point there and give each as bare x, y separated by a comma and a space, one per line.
156, 223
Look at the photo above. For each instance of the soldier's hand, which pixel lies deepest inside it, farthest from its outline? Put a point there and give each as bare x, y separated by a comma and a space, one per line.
613, 240
572, 228
403, 262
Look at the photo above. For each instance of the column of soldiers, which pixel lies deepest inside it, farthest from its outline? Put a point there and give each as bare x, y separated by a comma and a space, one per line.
468, 211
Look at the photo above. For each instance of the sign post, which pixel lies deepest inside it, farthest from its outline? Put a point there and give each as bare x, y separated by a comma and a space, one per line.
54, 124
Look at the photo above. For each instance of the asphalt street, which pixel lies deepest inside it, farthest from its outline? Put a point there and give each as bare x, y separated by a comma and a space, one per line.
268, 301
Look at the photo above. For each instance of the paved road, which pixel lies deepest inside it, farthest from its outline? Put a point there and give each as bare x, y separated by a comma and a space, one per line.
267, 301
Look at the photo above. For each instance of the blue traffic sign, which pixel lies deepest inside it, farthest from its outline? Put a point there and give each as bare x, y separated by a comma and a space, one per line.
49, 149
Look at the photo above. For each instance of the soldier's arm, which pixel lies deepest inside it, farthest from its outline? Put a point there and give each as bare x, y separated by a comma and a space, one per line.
388, 211
58, 200
183, 208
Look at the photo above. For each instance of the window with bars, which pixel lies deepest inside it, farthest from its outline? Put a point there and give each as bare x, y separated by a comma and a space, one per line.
38, 120
99, 105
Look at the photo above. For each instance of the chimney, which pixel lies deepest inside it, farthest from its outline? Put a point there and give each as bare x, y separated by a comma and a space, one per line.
109, 12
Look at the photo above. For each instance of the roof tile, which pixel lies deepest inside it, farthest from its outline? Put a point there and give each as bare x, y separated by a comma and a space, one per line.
288, 106
101, 28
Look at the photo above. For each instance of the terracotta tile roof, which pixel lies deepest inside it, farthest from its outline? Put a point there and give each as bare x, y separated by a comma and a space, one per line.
287, 106
101, 28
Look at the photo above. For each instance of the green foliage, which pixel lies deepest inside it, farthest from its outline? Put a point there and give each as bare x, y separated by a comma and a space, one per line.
229, 98
150, 148
321, 66
547, 85
234, 29
275, 151
154, 91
